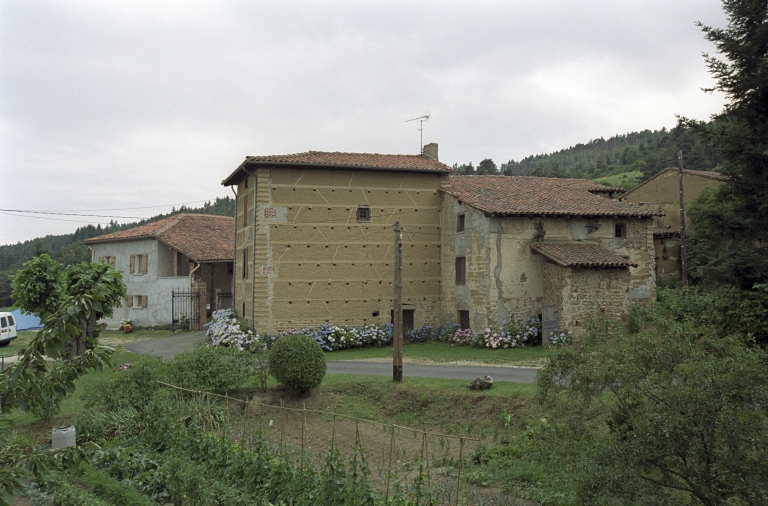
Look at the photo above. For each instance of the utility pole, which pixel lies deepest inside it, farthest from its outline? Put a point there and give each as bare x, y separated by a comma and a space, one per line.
683, 255
397, 306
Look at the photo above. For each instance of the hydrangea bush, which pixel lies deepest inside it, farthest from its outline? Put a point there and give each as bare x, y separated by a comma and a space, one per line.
560, 338
226, 330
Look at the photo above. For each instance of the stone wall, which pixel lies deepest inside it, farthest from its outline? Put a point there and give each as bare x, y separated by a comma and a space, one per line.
314, 263
585, 294
506, 280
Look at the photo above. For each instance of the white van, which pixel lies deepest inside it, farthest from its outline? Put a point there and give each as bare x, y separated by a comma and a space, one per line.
7, 329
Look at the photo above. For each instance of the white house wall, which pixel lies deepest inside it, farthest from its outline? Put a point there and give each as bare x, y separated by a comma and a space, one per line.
157, 289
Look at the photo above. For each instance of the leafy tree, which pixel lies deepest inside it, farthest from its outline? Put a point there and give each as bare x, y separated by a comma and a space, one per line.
37, 286
670, 414
731, 225
41, 287
487, 167
80, 279
35, 381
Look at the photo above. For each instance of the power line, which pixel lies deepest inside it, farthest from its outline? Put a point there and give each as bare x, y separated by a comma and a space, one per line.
124, 208
72, 214
55, 219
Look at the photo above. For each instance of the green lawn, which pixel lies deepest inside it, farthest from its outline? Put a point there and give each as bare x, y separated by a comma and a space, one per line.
444, 353
107, 337
626, 180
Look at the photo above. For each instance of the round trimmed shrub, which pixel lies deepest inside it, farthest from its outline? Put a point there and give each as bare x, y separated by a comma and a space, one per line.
297, 361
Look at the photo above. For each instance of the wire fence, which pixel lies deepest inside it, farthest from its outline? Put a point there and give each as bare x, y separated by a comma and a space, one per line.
398, 455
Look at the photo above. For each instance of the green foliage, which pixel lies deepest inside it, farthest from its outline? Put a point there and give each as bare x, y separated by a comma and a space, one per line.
731, 222
212, 369
132, 388
297, 362
37, 286
33, 380
669, 412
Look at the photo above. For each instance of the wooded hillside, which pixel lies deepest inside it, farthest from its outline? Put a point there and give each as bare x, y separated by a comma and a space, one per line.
647, 152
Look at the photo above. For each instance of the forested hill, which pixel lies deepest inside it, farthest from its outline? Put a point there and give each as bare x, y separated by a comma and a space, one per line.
642, 153
69, 248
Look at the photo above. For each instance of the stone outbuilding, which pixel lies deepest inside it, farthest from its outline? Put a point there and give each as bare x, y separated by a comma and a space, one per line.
190, 255
515, 245
661, 193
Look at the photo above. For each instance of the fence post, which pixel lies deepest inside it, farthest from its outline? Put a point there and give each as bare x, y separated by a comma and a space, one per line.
461, 465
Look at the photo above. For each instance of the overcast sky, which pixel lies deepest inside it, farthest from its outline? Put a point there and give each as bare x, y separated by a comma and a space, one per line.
108, 104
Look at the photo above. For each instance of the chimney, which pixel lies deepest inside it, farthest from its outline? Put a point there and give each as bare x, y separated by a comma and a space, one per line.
430, 151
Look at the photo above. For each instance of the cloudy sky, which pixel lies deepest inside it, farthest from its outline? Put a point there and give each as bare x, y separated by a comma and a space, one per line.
115, 105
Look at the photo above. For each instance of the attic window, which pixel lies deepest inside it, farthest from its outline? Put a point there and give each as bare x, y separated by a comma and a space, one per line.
363, 214
460, 223
620, 230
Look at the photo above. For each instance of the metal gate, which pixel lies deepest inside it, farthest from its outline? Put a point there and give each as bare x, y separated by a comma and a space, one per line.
224, 300
185, 310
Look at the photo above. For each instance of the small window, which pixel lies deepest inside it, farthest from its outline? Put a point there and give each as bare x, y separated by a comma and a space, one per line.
140, 301
460, 223
138, 264
620, 230
107, 260
363, 213
464, 319
245, 263
245, 209
129, 301
461, 270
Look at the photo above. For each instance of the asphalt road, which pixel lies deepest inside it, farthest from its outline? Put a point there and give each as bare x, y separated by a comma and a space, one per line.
166, 348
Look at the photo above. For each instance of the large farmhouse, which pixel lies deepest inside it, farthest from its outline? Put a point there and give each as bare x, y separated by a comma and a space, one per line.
314, 243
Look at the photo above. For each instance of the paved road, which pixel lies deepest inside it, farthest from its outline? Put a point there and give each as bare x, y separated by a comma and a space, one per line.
510, 374
166, 348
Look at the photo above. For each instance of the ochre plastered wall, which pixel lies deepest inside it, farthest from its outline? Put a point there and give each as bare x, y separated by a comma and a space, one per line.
505, 278
662, 194
314, 263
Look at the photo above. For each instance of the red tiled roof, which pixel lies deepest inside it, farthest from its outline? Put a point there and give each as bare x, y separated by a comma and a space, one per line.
661, 233
539, 196
581, 255
327, 159
201, 237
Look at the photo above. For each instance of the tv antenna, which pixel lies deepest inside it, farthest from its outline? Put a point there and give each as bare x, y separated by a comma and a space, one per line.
421, 120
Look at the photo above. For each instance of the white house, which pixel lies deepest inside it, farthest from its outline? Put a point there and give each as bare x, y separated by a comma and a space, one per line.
175, 270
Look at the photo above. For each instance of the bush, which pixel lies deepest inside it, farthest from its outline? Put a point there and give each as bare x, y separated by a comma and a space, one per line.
297, 361
131, 388
212, 369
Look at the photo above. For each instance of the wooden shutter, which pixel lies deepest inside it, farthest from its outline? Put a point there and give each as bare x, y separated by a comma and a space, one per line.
133, 262
143, 263
111, 261
129, 300
101, 260
143, 300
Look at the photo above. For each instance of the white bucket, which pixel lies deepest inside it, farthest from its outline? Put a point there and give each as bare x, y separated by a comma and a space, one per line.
61, 437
